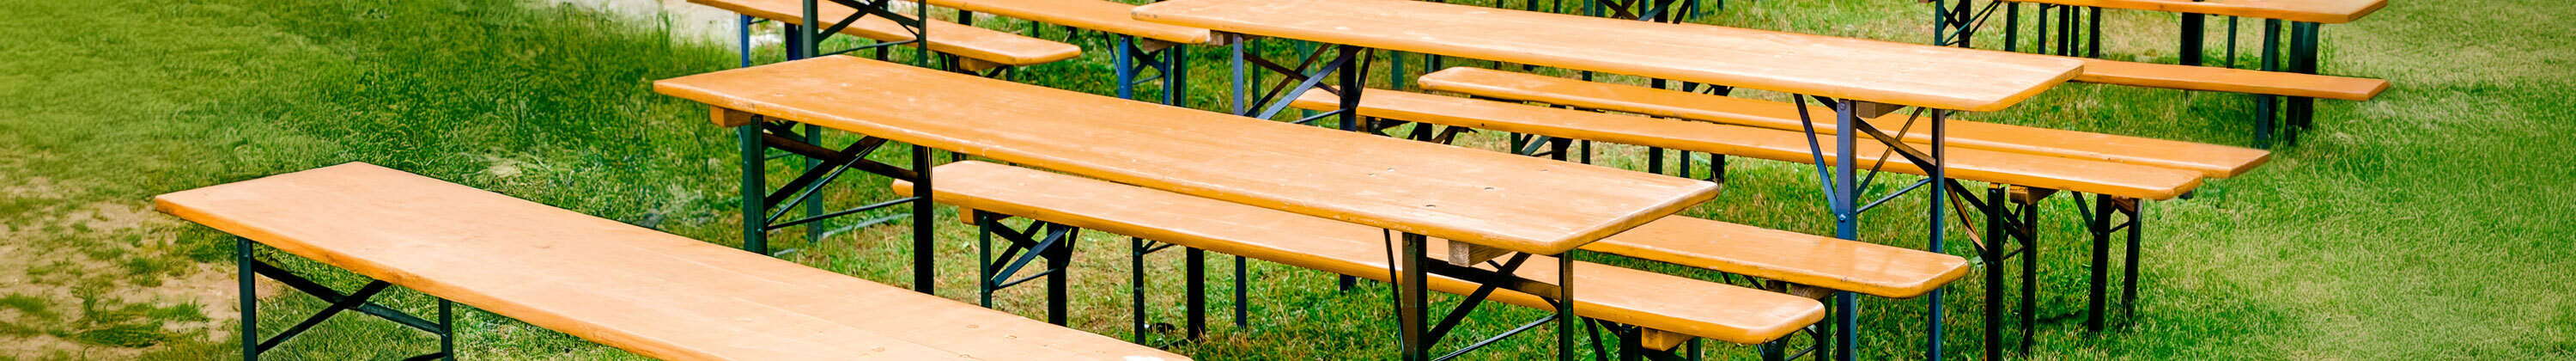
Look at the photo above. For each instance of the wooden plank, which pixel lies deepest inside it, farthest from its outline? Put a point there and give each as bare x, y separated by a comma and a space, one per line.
2314, 11
651, 293
945, 37
2205, 78
2211, 160
2087, 176
1517, 203
1819, 261
1687, 306
1857, 69
1097, 15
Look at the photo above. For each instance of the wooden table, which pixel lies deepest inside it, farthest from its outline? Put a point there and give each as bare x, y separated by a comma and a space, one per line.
1423, 190
1855, 69
1863, 77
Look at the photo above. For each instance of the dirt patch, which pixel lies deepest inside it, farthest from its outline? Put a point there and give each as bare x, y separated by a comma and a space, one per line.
119, 259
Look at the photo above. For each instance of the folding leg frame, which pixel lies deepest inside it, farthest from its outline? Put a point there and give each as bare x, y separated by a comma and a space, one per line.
1050, 242
1195, 281
1168, 61
766, 210
2011, 216
250, 267
1842, 185
1413, 305
2098, 221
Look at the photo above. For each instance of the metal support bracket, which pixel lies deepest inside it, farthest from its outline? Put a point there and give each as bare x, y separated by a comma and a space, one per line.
250, 268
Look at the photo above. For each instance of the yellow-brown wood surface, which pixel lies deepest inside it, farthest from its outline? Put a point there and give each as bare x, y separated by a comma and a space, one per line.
2314, 11
2216, 161
2186, 77
2098, 177
652, 293
1493, 199
1857, 69
1100, 15
945, 37
1705, 309
1868, 268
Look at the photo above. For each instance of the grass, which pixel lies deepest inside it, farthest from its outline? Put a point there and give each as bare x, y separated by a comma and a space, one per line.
2428, 224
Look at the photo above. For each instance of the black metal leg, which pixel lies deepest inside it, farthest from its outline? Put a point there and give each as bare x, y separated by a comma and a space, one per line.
447, 322
985, 272
1411, 302
1940, 178
249, 293
1060, 261
2012, 26
1993, 257
2029, 230
2302, 110
755, 237
2263, 103
2101, 229
1242, 293
1565, 319
2192, 32
2129, 286
925, 269
1136, 249
2093, 32
1196, 267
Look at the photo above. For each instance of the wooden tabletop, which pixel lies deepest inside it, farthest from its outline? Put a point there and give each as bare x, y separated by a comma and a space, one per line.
1481, 197
2314, 11
1856, 69
651, 293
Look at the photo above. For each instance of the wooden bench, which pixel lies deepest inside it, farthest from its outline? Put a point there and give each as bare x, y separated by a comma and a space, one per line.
2078, 175
644, 291
1653, 301
985, 48
2312, 11
2215, 161
1098, 15
2204, 78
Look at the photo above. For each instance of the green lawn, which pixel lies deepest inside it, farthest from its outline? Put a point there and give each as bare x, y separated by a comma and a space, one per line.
2431, 223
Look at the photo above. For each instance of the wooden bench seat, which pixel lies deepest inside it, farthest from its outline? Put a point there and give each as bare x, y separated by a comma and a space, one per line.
1646, 299
2097, 177
946, 37
1099, 15
2216, 161
1805, 259
2314, 11
2206, 78
651, 293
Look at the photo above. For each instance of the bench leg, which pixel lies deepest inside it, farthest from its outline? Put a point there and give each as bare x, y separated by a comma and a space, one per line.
1041, 241
1136, 249
2193, 30
1196, 270
1242, 293
1993, 254
1410, 301
2101, 229
2029, 238
249, 292
249, 268
2264, 112
2129, 281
